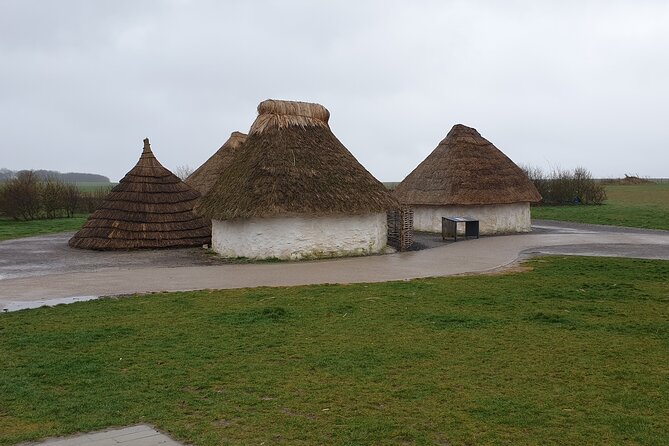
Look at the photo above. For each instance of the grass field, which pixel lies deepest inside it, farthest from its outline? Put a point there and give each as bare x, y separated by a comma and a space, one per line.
10, 229
92, 187
574, 351
640, 206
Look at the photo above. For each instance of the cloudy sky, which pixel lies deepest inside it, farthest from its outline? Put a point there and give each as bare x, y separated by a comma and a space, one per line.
551, 84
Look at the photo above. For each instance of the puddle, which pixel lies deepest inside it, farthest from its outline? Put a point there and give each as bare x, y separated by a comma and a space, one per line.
19, 305
563, 230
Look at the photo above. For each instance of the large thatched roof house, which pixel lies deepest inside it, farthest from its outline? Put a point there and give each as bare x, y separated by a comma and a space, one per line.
466, 175
149, 208
294, 191
206, 175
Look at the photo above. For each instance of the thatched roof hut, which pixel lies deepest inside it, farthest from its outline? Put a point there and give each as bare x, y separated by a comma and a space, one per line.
294, 189
292, 164
467, 174
149, 208
466, 169
208, 173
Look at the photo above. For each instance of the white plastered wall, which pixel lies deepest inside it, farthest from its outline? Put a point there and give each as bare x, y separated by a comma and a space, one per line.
300, 237
493, 218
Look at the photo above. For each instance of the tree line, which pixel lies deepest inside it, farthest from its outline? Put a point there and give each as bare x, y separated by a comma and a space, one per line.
28, 196
68, 177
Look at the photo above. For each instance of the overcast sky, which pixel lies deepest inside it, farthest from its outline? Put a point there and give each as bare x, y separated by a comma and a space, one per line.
551, 84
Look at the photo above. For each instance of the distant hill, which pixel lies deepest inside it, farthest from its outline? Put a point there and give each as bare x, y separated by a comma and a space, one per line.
69, 177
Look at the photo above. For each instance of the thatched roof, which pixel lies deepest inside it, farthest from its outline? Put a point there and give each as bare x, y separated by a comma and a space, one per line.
206, 175
292, 165
466, 169
149, 208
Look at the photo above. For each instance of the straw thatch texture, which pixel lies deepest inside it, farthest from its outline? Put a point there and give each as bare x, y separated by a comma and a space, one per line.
149, 208
206, 175
466, 169
273, 114
292, 165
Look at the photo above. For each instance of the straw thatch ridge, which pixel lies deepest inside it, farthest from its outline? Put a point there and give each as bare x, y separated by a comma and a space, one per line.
149, 208
466, 169
206, 175
294, 167
273, 114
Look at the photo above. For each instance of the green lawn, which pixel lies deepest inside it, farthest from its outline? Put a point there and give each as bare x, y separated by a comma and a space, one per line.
575, 351
10, 229
641, 206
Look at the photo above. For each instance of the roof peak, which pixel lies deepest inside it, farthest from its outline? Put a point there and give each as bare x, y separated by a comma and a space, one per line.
278, 114
147, 148
463, 130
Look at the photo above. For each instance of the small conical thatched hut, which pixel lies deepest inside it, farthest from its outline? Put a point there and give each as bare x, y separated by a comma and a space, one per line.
466, 175
149, 208
294, 191
206, 175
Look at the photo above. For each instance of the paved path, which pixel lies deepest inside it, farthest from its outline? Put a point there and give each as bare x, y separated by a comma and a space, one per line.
470, 256
140, 435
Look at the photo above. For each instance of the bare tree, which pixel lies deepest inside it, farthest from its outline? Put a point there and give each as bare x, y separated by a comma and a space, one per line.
564, 186
21, 196
92, 200
72, 199
52, 195
183, 171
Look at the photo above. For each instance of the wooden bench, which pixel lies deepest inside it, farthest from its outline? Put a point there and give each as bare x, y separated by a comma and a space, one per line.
449, 227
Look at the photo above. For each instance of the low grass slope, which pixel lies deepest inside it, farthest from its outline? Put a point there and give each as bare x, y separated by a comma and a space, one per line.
640, 206
10, 229
572, 351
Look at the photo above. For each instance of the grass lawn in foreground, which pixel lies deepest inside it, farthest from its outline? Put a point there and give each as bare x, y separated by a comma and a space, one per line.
574, 351
10, 228
639, 206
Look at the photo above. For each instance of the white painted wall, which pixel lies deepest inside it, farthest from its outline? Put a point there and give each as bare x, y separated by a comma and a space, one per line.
300, 237
493, 218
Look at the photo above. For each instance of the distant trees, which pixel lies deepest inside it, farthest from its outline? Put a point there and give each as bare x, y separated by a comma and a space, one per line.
92, 199
27, 196
78, 177
69, 177
72, 198
564, 186
6, 174
183, 172
21, 196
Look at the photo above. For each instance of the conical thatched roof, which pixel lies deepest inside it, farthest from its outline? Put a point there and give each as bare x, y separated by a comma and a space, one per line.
466, 169
291, 165
206, 175
149, 208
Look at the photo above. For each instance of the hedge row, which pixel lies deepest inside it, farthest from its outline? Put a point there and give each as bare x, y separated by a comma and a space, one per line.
29, 198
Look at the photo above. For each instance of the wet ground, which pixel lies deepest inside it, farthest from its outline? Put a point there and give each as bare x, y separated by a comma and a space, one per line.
50, 254
45, 271
631, 250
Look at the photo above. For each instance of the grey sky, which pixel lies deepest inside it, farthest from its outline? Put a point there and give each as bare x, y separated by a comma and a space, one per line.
560, 83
